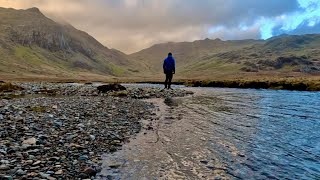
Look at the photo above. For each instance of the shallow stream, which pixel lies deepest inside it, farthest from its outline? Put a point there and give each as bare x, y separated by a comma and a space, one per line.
223, 133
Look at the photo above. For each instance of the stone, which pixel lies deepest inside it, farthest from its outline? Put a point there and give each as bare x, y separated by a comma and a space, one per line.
31, 157
36, 163
49, 172
44, 175
76, 146
83, 176
83, 158
4, 162
92, 137
28, 161
1, 117
115, 165
59, 172
4, 167
110, 87
30, 141
20, 172
57, 123
54, 159
204, 162
90, 171
32, 174
6, 177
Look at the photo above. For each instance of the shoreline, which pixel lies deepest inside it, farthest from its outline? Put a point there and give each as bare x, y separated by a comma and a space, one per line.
292, 84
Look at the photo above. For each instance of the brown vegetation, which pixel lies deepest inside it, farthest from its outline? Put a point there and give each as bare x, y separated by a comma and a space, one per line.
258, 84
8, 87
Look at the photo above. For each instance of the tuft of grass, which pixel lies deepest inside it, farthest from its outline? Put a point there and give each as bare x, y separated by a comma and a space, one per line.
8, 87
39, 109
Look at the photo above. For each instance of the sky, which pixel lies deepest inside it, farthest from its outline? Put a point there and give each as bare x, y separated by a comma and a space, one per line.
132, 25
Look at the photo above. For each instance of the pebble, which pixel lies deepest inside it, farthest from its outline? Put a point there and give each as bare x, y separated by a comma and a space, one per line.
36, 163
90, 171
83, 158
59, 172
20, 172
30, 141
4, 167
92, 137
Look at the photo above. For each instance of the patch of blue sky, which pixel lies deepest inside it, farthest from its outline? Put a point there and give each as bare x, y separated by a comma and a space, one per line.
213, 30
308, 13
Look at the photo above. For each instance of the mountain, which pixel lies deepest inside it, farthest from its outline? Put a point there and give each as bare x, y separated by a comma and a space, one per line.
32, 44
286, 55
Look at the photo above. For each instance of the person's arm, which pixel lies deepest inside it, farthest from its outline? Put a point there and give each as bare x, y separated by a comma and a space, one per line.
174, 66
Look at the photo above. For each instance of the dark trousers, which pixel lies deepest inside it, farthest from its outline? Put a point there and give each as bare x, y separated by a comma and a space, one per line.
167, 82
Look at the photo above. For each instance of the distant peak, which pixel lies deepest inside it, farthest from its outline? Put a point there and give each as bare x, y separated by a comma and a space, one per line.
34, 9
217, 39
207, 39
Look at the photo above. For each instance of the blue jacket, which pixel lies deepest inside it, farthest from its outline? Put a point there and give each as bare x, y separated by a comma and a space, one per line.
169, 65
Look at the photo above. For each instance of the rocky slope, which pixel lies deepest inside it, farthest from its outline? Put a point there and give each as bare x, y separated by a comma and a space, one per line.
31, 43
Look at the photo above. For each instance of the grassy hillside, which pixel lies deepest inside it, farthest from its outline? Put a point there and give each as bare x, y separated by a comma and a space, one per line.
283, 56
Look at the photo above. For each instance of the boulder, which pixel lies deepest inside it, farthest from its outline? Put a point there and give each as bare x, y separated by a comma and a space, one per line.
110, 87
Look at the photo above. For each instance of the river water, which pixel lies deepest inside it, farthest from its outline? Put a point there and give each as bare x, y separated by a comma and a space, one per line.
223, 133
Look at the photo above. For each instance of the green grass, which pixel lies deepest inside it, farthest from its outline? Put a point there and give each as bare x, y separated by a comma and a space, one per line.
116, 70
29, 56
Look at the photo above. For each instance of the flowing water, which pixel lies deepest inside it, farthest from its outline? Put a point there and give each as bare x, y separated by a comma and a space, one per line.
226, 134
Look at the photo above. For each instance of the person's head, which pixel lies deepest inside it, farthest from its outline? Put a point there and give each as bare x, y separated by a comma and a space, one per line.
169, 54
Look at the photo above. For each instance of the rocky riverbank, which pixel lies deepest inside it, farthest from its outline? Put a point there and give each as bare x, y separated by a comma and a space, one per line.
74, 89
64, 136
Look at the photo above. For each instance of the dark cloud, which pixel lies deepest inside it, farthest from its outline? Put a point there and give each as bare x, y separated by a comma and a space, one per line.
131, 25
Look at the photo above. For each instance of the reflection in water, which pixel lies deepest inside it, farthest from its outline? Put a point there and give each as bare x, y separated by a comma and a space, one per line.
229, 134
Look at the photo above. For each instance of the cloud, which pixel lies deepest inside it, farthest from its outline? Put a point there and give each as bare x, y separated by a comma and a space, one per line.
131, 25
305, 20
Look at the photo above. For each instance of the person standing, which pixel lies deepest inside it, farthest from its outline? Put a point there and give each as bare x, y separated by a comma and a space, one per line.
169, 68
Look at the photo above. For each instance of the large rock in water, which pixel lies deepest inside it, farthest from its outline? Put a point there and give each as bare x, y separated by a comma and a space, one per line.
110, 87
